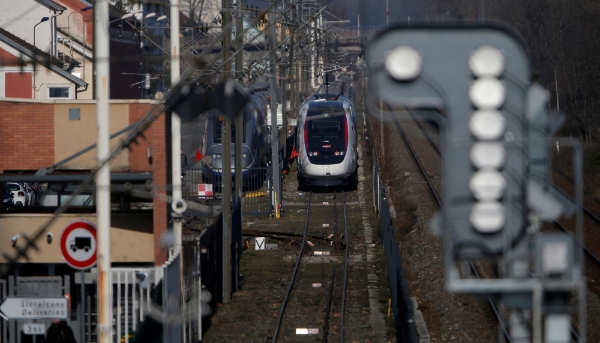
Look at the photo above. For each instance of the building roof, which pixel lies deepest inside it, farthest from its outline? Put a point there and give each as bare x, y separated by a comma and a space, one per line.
40, 56
51, 5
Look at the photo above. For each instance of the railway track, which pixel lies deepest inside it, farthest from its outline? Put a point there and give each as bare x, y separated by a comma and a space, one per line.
493, 308
302, 292
472, 266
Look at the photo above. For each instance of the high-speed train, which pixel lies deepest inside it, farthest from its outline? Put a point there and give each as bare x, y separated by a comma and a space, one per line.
255, 139
327, 138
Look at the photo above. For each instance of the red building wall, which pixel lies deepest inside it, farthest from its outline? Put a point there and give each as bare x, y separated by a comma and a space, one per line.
18, 85
27, 134
155, 137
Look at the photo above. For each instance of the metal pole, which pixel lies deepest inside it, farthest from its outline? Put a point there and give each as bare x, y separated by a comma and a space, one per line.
82, 304
176, 155
274, 134
239, 44
103, 177
239, 132
239, 118
292, 77
387, 14
226, 144
284, 107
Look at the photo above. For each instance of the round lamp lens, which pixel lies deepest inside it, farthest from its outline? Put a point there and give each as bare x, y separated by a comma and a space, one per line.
487, 92
487, 217
487, 155
487, 124
487, 184
486, 61
403, 63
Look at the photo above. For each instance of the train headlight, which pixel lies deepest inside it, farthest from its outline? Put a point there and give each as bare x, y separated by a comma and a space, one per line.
342, 153
244, 155
218, 156
337, 153
214, 156
310, 153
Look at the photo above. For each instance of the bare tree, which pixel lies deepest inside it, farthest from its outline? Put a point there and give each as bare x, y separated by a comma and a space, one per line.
193, 9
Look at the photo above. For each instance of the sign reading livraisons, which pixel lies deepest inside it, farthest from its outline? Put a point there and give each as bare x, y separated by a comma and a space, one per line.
34, 308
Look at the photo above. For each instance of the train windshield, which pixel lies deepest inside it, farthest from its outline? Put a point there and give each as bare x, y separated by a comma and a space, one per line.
218, 132
327, 127
326, 135
326, 123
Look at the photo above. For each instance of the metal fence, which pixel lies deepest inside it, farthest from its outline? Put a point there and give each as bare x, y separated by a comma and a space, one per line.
402, 306
256, 196
4, 323
131, 300
192, 289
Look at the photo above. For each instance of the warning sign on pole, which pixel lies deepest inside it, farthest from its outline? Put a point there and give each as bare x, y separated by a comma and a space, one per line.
78, 244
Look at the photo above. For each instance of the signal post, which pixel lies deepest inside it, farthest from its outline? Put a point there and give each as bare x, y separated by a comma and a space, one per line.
496, 129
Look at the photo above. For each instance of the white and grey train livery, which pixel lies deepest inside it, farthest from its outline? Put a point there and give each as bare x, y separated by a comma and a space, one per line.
327, 138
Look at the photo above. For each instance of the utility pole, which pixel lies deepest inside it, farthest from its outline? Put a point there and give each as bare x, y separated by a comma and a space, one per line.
174, 332
226, 144
275, 193
102, 54
239, 118
292, 77
284, 86
239, 132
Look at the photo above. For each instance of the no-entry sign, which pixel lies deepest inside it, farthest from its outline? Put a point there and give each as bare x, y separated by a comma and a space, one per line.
78, 244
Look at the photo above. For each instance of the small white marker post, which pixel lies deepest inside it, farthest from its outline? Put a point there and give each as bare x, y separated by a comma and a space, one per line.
259, 243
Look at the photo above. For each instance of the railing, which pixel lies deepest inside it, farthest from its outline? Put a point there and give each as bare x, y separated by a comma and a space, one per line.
256, 196
402, 306
132, 301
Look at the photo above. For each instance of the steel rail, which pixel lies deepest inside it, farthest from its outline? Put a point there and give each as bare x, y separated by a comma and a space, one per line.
294, 273
593, 257
345, 284
328, 306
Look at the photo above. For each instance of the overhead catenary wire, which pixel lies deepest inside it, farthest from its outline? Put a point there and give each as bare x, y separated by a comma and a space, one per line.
131, 137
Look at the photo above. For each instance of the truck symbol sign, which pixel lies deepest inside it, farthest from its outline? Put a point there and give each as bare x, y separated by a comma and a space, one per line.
84, 243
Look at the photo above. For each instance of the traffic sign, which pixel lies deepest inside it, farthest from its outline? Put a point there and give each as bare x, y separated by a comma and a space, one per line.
34, 329
78, 244
34, 308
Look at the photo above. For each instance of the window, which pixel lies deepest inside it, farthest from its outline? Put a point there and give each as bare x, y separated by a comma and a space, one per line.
218, 132
58, 92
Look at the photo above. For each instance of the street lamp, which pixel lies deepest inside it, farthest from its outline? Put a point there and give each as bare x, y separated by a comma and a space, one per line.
41, 21
127, 15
